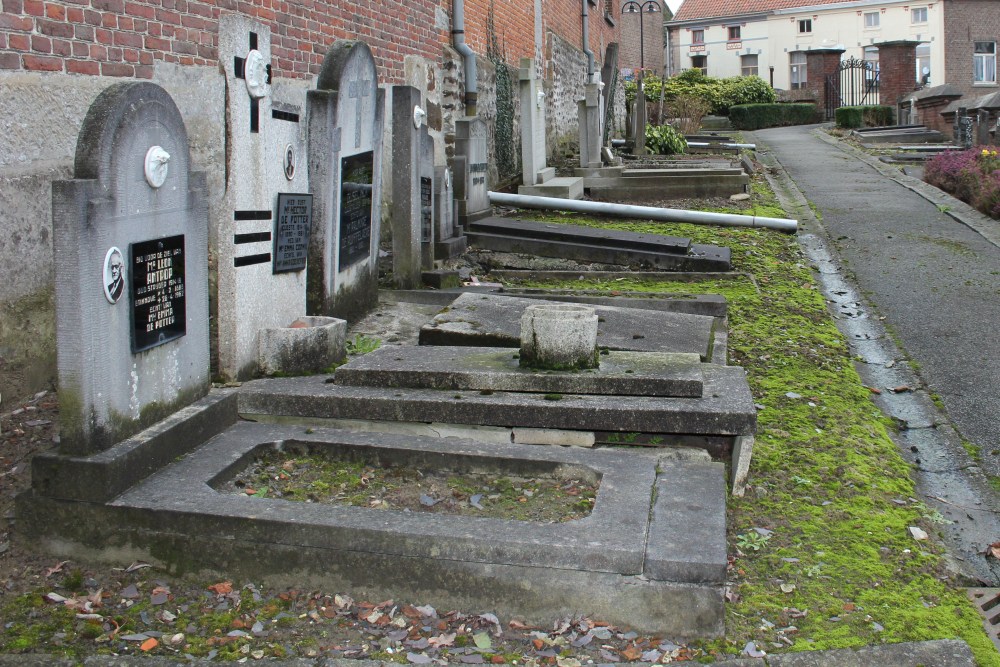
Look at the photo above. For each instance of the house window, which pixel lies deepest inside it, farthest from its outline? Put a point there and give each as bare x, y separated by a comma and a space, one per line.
918, 15
701, 63
871, 68
797, 60
924, 64
697, 36
984, 62
871, 20
748, 65
805, 26
734, 33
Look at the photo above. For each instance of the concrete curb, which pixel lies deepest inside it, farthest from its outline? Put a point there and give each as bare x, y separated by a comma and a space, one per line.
954, 653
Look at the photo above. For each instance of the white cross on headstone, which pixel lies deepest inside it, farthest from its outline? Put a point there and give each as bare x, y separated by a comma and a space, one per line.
357, 90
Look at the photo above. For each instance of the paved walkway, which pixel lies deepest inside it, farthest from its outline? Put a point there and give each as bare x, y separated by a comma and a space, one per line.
934, 279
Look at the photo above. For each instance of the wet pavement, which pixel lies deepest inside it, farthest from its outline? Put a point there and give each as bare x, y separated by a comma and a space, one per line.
913, 278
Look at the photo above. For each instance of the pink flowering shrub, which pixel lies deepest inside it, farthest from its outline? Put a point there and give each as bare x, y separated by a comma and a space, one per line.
972, 176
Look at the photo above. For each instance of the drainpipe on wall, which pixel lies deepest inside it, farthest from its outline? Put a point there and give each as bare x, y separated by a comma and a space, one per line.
591, 67
469, 58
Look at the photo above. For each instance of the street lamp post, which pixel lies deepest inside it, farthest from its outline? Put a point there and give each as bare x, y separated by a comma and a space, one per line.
633, 7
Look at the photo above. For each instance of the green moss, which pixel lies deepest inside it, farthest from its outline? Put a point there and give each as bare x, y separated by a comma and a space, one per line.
856, 562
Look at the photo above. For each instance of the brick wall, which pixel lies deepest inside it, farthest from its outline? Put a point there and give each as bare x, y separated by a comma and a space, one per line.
897, 78
651, 54
125, 38
966, 22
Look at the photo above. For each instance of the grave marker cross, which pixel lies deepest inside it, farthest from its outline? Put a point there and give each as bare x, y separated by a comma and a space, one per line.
257, 75
357, 90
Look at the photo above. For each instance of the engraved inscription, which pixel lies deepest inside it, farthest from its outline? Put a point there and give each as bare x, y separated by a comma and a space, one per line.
291, 232
356, 180
157, 292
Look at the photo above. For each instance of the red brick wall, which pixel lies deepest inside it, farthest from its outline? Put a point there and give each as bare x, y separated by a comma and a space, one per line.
652, 37
897, 65
966, 22
124, 38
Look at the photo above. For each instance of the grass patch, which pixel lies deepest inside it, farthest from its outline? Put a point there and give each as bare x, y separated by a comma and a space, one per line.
826, 480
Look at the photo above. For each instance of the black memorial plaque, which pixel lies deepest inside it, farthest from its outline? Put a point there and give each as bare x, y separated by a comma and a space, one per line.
356, 178
426, 209
291, 232
157, 291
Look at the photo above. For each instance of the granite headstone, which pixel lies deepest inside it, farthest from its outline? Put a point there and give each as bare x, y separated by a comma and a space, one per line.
345, 167
130, 241
472, 200
408, 147
263, 231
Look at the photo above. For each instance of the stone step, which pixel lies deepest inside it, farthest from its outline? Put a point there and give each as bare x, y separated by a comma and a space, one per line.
582, 234
666, 186
493, 369
724, 409
681, 172
561, 187
491, 320
450, 248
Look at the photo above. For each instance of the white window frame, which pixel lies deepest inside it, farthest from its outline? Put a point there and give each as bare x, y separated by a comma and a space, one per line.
918, 15
749, 70
805, 26
729, 33
797, 70
984, 64
873, 20
694, 36
703, 59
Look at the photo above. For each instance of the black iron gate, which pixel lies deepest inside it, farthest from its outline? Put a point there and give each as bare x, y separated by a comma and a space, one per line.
855, 83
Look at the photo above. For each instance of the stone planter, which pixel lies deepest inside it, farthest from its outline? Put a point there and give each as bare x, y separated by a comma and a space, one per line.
307, 345
558, 337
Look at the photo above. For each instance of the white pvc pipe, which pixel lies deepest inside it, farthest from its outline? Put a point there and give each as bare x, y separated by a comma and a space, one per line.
649, 212
707, 143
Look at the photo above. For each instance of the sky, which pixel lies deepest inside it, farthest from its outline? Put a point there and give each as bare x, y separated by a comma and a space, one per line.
673, 4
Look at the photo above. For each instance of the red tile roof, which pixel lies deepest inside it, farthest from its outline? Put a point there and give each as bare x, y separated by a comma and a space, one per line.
692, 10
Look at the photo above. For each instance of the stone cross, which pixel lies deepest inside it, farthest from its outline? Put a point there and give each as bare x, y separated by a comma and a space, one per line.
358, 90
257, 75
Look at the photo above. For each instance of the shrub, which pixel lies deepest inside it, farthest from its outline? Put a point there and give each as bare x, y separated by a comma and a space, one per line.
972, 176
757, 116
863, 116
688, 110
719, 94
664, 140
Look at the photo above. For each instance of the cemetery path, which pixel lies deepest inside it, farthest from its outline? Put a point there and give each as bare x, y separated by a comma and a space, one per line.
935, 281
913, 276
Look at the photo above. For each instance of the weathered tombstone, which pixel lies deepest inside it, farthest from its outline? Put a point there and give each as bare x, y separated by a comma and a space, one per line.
591, 128
130, 240
963, 128
426, 175
448, 241
408, 130
345, 166
639, 113
263, 232
982, 127
538, 178
472, 199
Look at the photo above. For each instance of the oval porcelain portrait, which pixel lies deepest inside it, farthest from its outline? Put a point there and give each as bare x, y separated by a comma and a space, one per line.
114, 275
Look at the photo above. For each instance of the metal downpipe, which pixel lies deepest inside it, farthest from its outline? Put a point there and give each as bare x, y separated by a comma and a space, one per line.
468, 57
648, 212
591, 65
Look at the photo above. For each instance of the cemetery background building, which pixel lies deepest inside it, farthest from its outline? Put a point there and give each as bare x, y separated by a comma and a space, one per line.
57, 56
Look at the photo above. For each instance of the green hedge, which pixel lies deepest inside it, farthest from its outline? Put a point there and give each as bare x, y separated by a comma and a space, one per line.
720, 94
864, 116
758, 116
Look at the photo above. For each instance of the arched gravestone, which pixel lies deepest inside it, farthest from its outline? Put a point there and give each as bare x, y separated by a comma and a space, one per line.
345, 166
130, 240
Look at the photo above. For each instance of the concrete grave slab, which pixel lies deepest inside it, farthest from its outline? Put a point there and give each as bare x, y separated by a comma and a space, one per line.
130, 241
590, 244
494, 321
493, 369
597, 565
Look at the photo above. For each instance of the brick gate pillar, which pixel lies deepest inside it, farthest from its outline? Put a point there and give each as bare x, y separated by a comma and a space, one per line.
821, 63
897, 62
